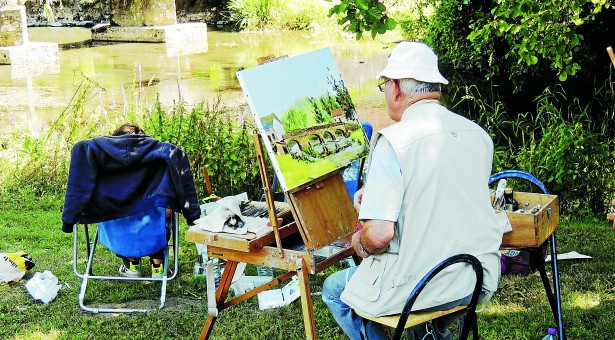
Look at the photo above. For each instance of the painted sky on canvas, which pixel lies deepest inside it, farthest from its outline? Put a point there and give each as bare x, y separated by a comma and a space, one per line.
276, 86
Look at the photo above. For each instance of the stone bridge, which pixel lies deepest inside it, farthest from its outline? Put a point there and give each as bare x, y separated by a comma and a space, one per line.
323, 140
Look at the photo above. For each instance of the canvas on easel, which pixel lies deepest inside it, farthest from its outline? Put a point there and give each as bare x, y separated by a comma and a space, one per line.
305, 117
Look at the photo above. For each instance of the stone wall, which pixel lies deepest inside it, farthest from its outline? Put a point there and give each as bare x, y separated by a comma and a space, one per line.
13, 26
71, 13
90, 12
143, 12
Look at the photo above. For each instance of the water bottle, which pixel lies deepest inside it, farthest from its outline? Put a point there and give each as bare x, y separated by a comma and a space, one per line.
199, 272
264, 271
215, 271
199, 266
550, 334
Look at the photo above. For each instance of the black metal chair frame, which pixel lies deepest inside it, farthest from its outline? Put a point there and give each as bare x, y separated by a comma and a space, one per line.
553, 295
469, 320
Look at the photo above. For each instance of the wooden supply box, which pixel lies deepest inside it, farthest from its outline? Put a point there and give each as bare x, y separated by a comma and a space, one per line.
531, 230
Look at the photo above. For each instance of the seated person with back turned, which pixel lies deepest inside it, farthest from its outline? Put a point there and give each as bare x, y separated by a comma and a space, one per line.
111, 177
426, 198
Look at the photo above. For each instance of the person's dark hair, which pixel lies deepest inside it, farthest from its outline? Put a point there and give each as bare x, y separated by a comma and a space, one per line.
128, 129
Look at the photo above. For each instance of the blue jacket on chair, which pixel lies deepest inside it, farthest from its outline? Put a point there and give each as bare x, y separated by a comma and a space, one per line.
116, 176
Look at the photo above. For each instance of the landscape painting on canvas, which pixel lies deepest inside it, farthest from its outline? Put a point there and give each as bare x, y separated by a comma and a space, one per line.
305, 116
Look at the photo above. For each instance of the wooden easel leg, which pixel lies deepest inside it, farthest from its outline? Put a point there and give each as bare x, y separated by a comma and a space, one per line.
209, 325
306, 302
221, 293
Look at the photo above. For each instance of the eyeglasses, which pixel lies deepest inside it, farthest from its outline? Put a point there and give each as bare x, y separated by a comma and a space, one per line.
382, 86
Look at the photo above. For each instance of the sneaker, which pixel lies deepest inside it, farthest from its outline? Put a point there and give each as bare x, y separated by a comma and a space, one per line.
131, 271
157, 272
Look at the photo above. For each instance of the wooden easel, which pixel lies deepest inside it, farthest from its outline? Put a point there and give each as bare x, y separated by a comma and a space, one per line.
323, 213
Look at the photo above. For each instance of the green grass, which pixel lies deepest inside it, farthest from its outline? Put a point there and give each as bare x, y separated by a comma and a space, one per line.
518, 311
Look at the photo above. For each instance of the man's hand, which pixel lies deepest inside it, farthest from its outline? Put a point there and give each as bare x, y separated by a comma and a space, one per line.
358, 197
356, 244
374, 238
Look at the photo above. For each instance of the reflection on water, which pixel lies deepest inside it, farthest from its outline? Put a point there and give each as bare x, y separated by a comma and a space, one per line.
120, 68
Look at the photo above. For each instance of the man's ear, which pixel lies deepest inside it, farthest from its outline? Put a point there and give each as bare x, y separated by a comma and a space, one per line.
397, 94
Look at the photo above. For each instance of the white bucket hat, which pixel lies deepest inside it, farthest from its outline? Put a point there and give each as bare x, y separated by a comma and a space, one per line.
414, 60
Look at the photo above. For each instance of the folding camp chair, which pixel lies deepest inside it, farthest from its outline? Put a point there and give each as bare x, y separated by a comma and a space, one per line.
116, 180
138, 235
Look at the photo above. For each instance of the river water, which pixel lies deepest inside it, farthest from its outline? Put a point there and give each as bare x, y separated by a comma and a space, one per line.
119, 68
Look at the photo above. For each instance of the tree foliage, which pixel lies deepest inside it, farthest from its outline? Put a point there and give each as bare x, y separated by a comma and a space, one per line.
534, 30
361, 16
541, 29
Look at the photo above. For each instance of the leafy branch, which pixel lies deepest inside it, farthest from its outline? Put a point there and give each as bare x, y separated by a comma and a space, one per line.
363, 16
541, 29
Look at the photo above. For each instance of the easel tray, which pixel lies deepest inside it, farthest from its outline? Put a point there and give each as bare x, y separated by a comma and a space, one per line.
243, 243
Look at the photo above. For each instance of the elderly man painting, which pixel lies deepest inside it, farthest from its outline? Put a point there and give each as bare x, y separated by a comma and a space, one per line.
426, 198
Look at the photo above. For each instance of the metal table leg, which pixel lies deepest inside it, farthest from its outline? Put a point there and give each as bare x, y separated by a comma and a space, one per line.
560, 321
553, 295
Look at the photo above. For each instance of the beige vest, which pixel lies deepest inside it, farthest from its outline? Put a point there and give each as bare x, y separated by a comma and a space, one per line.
446, 163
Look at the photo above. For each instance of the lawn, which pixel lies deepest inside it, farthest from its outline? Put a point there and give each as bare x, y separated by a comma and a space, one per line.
519, 310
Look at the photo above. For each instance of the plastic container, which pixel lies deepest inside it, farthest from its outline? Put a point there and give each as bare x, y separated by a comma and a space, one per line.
264, 271
550, 334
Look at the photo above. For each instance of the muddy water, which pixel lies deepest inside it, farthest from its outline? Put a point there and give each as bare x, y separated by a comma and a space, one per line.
120, 68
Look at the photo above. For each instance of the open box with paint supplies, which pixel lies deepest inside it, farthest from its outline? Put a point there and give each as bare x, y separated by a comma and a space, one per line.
536, 218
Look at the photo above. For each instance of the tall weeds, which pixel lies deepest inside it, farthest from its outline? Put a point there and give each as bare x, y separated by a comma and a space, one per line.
36, 160
559, 143
216, 138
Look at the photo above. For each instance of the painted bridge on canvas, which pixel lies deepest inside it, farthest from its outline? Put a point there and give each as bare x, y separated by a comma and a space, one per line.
323, 139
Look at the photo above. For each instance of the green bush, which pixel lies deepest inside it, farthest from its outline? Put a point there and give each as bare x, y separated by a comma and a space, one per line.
413, 18
560, 131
